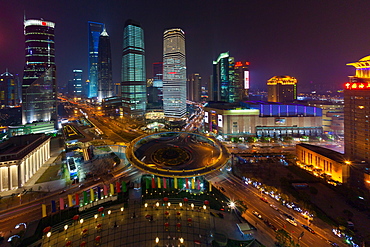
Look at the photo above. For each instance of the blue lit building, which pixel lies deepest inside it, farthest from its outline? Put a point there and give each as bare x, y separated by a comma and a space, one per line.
133, 70
94, 31
104, 67
39, 95
259, 118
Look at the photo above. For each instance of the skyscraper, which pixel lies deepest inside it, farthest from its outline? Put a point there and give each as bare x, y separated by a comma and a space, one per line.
194, 89
241, 71
94, 31
77, 83
224, 87
39, 101
133, 70
104, 67
174, 74
357, 113
9, 88
282, 89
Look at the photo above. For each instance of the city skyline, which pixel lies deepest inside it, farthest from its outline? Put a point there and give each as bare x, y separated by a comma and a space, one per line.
310, 42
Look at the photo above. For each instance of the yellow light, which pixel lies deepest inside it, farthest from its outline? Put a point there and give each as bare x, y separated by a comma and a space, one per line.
169, 204
157, 240
347, 162
81, 221
95, 216
66, 227
361, 106
48, 234
181, 240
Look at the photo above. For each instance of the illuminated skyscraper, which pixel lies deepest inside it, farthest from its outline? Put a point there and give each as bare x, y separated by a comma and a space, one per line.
104, 67
194, 89
133, 70
77, 86
94, 31
39, 101
224, 87
174, 74
357, 113
282, 89
241, 72
9, 90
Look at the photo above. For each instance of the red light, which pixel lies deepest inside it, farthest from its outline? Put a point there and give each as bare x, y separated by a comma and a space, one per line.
171, 72
356, 86
246, 63
238, 64
43, 23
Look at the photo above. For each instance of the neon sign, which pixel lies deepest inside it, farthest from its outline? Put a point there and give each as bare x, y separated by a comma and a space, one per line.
357, 85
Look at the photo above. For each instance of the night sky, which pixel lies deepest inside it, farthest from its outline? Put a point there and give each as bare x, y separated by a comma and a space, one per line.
310, 40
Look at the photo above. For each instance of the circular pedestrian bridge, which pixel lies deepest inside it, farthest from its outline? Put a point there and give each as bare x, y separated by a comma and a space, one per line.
177, 154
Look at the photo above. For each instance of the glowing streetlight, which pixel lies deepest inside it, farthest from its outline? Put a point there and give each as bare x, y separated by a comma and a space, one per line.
169, 204
48, 234
146, 205
232, 205
96, 217
181, 240
122, 209
65, 227
156, 241
180, 204
204, 207
192, 206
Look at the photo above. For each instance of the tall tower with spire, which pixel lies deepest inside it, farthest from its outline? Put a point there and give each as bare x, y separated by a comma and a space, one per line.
104, 67
94, 31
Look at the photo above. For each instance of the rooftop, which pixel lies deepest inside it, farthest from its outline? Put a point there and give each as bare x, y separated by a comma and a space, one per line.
331, 154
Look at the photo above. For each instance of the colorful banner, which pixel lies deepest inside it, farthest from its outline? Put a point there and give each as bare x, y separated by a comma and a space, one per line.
118, 187
186, 183
70, 201
53, 206
175, 182
198, 183
153, 183
111, 189
61, 203
124, 187
43, 209
99, 193
164, 183
105, 190
193, 184
210, 186
77, 199
147, 183
159, 182
92, 195
85, 198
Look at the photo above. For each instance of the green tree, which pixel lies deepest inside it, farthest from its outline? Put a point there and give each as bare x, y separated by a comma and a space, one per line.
283, 237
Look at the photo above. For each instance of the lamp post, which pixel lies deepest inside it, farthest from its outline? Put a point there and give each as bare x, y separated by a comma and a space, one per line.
109, 212
81, 222
65, 230
156, 241
48, 235
192, 206
20, 198
181, 241
96, 218
146, 205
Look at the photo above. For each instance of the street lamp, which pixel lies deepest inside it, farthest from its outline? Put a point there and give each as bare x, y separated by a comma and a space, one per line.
192, 206
181, 240
156, 241
122, 210
96, 217
20, 198
109, 212
146, 205
169, 204
81, 222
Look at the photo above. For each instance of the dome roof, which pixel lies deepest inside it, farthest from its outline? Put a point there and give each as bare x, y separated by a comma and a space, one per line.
367, 58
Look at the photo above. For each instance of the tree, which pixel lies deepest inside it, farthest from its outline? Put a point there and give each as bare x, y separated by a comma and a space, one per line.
283, 237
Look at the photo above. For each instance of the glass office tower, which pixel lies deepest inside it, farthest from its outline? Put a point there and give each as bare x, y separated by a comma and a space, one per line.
104, 67
174, 74
94, 31
9, 85
77, 84
39, 96
133, 70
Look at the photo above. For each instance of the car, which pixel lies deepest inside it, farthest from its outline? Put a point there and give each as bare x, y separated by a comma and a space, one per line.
274, 207
332, 243
263, 199
308, 229
292, 221
255, 213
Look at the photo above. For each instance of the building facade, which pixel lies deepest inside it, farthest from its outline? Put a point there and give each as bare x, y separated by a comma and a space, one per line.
20, 159
94, 31
39, 90
174, 74
194, 87
9, 90
323, 162
282, 89
241, 70
223, 82
133, 70
357, 113
105, 81
262, 119
77, 85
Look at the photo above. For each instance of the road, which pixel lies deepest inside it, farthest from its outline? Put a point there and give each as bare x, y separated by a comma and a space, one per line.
236, 189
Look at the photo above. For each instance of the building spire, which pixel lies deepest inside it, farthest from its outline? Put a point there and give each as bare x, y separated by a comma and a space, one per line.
104, 33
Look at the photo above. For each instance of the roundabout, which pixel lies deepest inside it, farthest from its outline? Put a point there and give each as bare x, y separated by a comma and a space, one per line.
177, 154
